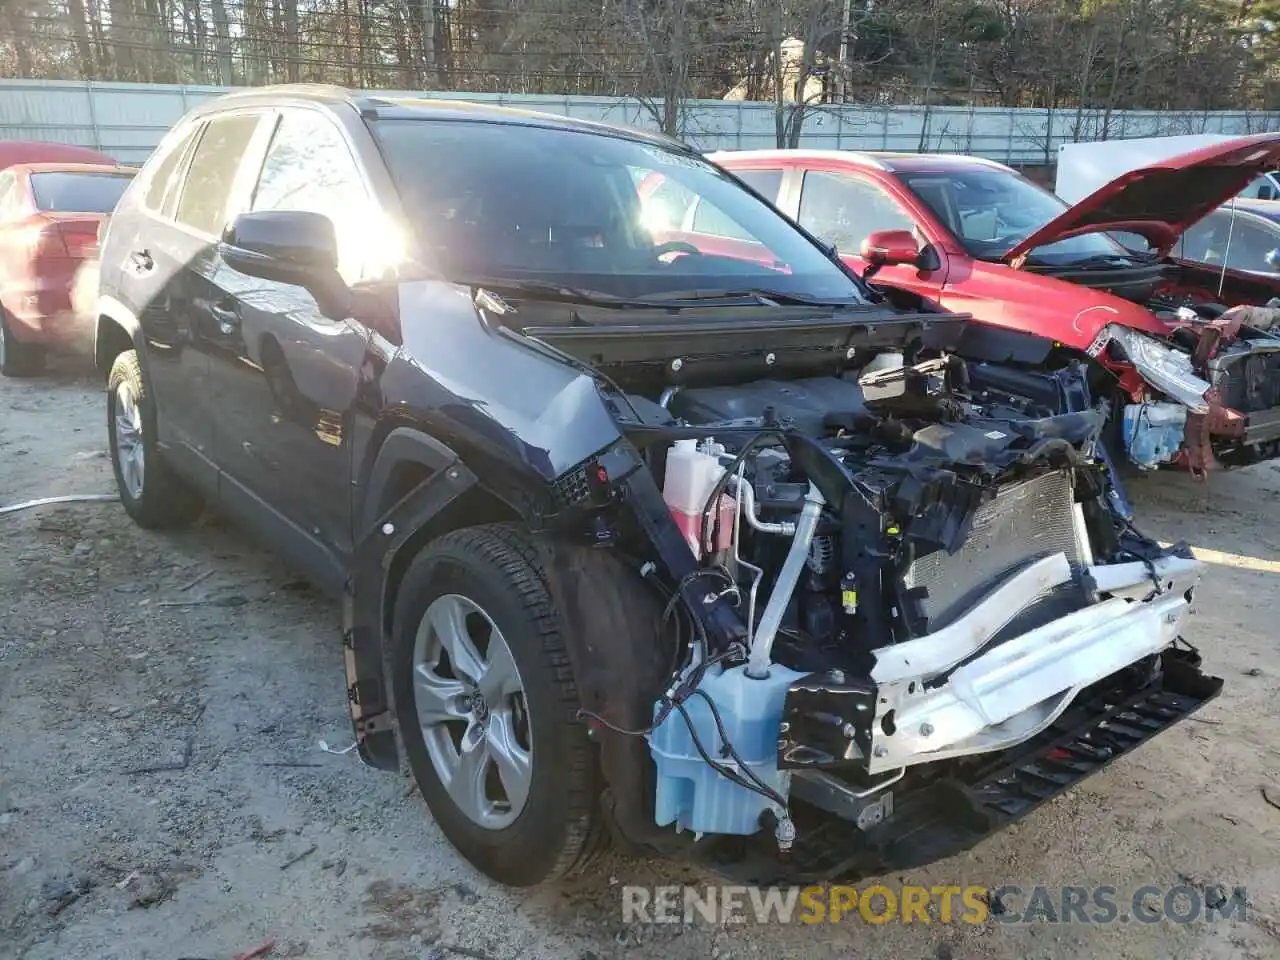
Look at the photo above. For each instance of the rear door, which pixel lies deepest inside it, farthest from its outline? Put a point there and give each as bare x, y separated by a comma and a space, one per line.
167, 264
844, 208
285, 375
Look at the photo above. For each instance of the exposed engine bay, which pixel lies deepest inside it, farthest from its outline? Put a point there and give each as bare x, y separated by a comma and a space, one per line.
922, 572
1208, 394
1205, 396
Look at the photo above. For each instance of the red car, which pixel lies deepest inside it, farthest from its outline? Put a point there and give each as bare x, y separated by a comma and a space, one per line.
37, 151
1186, 384
50, 214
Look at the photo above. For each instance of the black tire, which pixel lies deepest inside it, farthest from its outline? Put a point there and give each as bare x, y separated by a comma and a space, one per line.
555, 833
18, 359
165, 500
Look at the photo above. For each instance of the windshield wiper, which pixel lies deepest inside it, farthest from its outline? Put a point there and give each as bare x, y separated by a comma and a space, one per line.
765, 297
1101, 261
546, 290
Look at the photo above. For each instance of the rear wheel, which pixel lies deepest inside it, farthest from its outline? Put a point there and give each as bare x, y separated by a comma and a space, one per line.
152, 494
18, 359
486, 705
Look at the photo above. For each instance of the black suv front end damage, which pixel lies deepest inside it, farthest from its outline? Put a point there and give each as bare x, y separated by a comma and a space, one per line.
839, 600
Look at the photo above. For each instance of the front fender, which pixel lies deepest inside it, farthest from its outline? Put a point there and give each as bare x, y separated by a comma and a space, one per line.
403, 445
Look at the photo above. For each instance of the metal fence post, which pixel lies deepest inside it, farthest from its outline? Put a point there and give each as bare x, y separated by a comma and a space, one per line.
93, 115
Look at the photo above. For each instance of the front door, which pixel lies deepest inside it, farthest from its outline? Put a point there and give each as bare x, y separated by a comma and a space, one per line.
285, 375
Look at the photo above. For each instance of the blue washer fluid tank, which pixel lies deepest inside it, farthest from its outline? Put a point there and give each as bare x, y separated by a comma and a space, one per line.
1153, 432
691, 794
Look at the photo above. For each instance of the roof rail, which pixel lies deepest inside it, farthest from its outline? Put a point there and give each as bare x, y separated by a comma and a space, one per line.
328, 91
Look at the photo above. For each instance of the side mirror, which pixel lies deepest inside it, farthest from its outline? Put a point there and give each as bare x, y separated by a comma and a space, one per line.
1273, 259
1267, 192
886, 248
289, 246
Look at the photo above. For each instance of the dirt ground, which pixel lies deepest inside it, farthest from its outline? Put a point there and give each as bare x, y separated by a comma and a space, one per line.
123, 651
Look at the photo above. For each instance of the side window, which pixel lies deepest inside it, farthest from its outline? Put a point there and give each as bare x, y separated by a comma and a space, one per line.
663, 208
161, 183
1260, 189
1250, 244
844, 210
767, 183
309, 167
712, 221
1198, 242
1245, 244
207, 189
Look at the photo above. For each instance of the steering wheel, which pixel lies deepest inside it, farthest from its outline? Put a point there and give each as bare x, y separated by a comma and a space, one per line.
675, 246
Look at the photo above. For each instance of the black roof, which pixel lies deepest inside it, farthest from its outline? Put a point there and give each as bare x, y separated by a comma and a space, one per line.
374, 107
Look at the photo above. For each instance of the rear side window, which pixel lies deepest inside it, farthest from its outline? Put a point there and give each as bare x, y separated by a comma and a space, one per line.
767, 183
160, 183
207, 190
714, 222
78, 192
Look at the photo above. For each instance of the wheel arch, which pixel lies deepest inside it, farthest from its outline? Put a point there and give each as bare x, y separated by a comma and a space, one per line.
116, 330
416, 488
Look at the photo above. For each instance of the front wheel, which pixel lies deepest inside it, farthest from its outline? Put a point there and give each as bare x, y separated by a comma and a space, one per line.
487, 707
152, 494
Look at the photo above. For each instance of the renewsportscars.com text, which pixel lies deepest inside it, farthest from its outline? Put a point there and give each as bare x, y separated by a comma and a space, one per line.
969, 905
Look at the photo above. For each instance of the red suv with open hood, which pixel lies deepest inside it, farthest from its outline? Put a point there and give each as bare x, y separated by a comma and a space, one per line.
1187, 385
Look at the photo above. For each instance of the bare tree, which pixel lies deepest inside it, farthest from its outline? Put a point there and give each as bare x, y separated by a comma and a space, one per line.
1088, 60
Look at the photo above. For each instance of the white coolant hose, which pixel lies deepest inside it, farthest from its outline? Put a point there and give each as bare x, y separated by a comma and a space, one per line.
784, 587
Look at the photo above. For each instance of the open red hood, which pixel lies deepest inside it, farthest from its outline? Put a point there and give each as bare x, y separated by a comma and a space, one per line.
1161, 201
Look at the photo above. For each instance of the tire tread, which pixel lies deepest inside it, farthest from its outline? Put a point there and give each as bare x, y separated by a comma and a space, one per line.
167, 500
506, 548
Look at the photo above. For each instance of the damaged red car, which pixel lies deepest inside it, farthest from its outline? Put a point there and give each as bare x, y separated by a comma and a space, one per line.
1188, 380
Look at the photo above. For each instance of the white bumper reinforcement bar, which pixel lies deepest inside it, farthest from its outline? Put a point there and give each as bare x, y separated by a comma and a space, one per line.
1012, 691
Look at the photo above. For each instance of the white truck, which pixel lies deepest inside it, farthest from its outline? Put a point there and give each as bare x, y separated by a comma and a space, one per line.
1084, 167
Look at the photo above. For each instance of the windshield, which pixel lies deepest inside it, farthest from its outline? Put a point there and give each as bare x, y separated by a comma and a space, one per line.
593, 212
992, 211
78, 192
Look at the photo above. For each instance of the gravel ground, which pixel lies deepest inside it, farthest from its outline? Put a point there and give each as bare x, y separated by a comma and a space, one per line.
162, 794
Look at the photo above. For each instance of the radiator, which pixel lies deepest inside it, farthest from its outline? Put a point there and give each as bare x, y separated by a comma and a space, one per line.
1024, 522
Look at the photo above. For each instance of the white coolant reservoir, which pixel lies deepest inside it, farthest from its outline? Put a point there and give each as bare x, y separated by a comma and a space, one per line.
692, 473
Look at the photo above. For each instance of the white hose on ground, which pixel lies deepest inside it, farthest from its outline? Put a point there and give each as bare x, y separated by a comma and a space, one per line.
69, 498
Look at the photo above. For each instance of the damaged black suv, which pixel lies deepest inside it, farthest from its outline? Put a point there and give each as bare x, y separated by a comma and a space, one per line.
652, 521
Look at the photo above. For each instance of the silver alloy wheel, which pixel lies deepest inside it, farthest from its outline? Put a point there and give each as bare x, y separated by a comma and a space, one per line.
130, 454
471, 707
